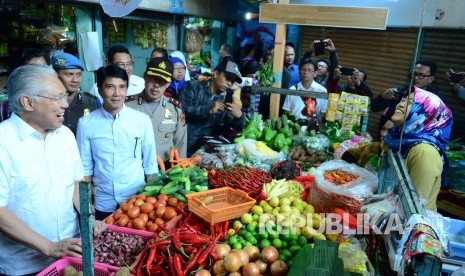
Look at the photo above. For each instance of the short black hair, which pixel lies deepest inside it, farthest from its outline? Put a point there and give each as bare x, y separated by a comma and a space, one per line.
114, 50
227, 48
365, 76
290, 44
430, 63
111, 71
31, 53
246, 49
160, 50
307, 61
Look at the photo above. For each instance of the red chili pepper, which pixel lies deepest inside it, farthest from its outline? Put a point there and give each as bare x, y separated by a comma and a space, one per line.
159, 243
177, 261
181, 211
171, 263
176, 240
225, 227
212, 230
150, 259
195, 239
201, 261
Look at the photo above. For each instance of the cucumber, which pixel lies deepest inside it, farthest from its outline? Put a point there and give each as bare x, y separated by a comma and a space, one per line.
174, 171
200, 188
153, 188
170, 188
180, 197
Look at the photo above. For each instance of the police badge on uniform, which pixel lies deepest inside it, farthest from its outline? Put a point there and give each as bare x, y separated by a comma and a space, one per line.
168, 114
86, 112
182, 117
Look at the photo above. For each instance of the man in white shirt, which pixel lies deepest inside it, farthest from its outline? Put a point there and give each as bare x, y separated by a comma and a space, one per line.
120, 56
116, 143
39, 173
295, 104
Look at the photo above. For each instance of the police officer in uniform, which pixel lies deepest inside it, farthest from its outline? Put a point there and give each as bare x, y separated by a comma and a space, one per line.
69, 69
168, 120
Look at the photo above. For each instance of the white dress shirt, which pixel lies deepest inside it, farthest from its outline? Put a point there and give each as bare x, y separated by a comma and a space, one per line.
37, 184
295, 104
117, 153
136, 86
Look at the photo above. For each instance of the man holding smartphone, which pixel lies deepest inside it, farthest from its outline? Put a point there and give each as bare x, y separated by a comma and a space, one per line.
423, 77
457, 83
324, 68
210, 105
355, 82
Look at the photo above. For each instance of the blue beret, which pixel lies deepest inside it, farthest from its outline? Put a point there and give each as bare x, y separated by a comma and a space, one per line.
66, 61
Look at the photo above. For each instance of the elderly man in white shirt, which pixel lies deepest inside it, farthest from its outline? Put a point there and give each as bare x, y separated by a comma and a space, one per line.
295, 104
39, 173
120, 56
116, 143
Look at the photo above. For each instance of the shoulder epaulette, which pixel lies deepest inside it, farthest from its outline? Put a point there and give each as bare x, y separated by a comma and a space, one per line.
129, 99
90, 95
174, 102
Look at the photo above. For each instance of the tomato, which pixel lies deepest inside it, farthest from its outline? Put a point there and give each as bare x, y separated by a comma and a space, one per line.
117, 215
141, 196
138, 223
151, 199
159, 221
173, 201
144, 217
126, 206
139, 202
123, 220
146, 208
169, 214
161, 211
163, 196
159, 203
132, 199
130, 224
148, 223
153, 215
133, 212
152, 228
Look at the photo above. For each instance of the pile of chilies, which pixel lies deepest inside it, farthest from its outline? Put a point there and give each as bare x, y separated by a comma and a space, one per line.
180, 251
247, 179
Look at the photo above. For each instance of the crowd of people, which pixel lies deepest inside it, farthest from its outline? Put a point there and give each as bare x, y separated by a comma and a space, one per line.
58, 135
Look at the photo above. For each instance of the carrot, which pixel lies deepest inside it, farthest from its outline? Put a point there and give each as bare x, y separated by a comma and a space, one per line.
176, 154
161, 164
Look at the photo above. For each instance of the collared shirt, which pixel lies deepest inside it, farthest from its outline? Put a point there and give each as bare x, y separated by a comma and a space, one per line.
295, 104
136, 85
295, 75
117, 152
37, 184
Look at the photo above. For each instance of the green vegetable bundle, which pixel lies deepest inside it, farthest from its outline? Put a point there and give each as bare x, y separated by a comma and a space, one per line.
265, 75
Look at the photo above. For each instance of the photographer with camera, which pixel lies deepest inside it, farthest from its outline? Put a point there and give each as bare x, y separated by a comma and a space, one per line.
325, 68
423, 77
457, 84
211, 105
355, 82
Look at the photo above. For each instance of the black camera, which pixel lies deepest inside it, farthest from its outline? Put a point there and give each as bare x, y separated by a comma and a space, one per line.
319, 46
456, 77
347, 71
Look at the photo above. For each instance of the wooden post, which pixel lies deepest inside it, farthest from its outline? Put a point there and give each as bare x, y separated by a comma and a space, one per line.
278, 61
86, 228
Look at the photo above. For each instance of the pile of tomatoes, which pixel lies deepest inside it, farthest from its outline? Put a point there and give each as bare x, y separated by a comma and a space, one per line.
145, 213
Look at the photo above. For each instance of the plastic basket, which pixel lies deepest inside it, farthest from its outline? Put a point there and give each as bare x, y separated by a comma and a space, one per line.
145, 235
226, 203
56, 268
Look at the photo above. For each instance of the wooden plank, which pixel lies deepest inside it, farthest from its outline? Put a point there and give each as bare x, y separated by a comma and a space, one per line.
86, 228
282, 91
366, 18
278, 61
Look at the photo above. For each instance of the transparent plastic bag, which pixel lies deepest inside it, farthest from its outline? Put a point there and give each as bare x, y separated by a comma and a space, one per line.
354, 258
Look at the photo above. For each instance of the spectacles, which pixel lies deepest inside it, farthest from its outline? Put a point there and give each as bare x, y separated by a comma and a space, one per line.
420, 76
321, 66
125, 64
180, 68
58, 98
306, 70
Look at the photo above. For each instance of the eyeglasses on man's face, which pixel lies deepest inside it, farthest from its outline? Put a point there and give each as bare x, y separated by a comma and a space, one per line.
307, 70
58, 98
420, 75
123, 65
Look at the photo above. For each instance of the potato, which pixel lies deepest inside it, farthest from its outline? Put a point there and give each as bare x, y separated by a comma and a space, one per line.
69, 271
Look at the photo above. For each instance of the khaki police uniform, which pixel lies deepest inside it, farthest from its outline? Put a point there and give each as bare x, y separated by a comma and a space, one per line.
81, 105
169, 124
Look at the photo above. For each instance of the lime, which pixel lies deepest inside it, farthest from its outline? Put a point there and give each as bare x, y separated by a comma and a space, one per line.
247, 243
295, 248
273, 235
302, 241
293, 242
285, 237
285, 244
254, 241
242, 232
237, 245
282, 258
263, 236
264, 243
277, 243
294, 237
287, 253
251, 227
240, 239
232, 240
289, 263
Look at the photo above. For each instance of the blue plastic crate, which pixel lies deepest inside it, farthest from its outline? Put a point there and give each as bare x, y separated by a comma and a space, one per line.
457, 237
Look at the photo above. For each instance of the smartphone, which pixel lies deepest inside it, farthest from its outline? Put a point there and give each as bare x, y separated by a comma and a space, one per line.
228, 98
319, 47
347, 71
456, 77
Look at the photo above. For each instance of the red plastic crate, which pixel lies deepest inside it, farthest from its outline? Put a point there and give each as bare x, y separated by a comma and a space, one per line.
56, 269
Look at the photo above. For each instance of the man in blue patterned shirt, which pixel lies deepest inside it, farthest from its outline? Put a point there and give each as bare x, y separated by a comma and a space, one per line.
289, 57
